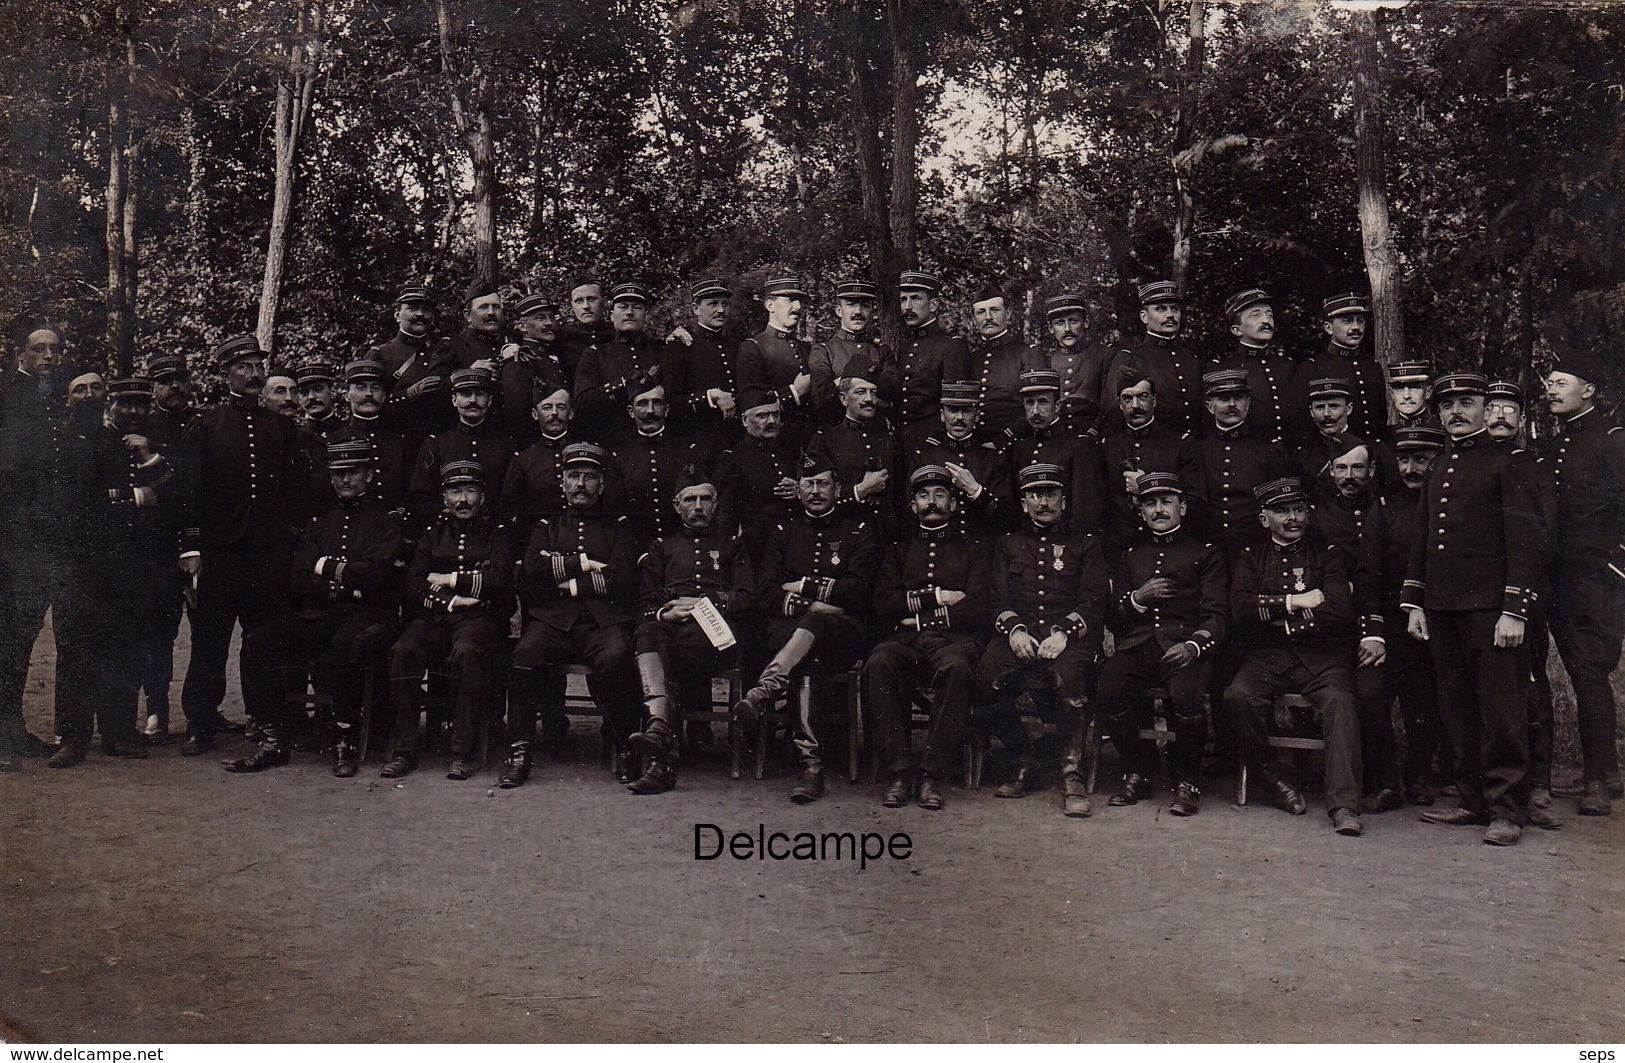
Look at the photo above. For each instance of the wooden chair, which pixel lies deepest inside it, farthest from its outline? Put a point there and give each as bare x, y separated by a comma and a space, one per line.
729, 682
782, 719
1158, 732
1287, 707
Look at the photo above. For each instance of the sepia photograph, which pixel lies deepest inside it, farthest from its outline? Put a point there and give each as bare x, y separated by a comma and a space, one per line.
811, 522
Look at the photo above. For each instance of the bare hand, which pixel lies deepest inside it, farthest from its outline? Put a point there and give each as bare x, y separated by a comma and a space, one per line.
439, 580
590, 565
1023, 645
459, 601
801, 384
1508, 632
1131, 480
723, 401
1309, 600
139, 445
1051, 647
510, 350
947, 597
681, 335
785, 488
190, 565
1179, 656
1156, 589
874, 481
825, 609
1373, 652
1417, 625
963, 479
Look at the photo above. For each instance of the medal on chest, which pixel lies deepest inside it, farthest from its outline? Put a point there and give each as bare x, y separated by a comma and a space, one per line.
716, 560
1297, 580
1059, 563
834, 555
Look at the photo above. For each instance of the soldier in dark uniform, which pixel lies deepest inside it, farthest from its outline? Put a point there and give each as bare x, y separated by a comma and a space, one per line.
973, 457
30, 410
172, 413
346, 596
681, 571
815, 581
929, 353
459, 596
281, 396
933, 593
1085, 393
1143, 444
612, 372
853, 350
1346, 499
1050, 586
1479, 551
531, 367
1175, 374
478, 344
475, 437
366, 388
586, 325
1345, 359
249, 496
317, 401
530, 490
1051, 442
1295, 596
1280, 405
576, 586
417, 405
698, 374
758, 476
997, 362
1408, 390
1171, 609
776, 359
1331, 402
1234, 459
1587, 459
648, 465
865, 452
1390, 663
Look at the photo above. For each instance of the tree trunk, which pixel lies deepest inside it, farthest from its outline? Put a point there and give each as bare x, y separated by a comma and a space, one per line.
1381, 260
118, 142
1184, 137
905, 138
871, 167
478, 136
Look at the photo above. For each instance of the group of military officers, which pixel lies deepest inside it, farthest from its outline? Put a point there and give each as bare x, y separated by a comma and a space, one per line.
962, 520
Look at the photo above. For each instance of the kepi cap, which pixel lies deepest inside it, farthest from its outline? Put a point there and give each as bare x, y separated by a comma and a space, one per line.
1245, 298
1041, 474
1281, 492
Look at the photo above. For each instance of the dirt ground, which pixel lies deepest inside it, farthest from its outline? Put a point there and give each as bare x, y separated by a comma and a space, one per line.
170, 901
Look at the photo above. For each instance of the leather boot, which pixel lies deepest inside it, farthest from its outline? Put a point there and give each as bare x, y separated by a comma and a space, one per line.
346, 757
655, 740
69, 753
1074, 791
809, 788
1017, 785
272, 752
656, 699
516, 769
658, 778
774, 680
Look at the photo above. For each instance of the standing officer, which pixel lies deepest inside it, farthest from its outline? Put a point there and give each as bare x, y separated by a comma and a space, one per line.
1171, 610
473, 438
1294, 595
1408, 391
972, 456
1280, 405
1052, 442
1345, 359
586, 325
699, 562
699, 374
250, 494
346, 596
530, 490
479, 342
531, 367
459, 595
1478, 553
366, 388
1176, 374
1050, 588
576, 587
649, 464
758, 476
316, 399
777, 360
172, 413
1235, 459
417, 406
866, 453
1142, 444
933, 593
997, 362
1081, 366
816, 577
853, 350
610, 373
1588, 461
929, 353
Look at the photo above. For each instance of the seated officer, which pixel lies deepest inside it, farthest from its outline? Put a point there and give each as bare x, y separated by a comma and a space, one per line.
816, 579
1050, 587
459, 593
973, 456
699, 562
576, 587
1171, 610
933, 593
1292, 599
346, 595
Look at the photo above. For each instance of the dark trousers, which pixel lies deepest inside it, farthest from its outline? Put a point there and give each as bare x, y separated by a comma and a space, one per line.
606, 650
1272, 670
332, 649
1483, 698
28, 578
104, 621
947, 664
1125, 679
1002, 678
470, 648
1538, 635
157, 669
687, 656
1587, 625
237, 585
1406, 673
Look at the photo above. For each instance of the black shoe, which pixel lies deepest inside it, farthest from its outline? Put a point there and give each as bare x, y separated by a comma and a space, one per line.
653, 742
1135, 788
1074, 796
1187, 800
271, 755
1285, 796
809, 788
68, 754
124, 749
1577, 787
1502, 832
626, 766
747, 711
346, 761
660, 778
1544, 818
897, 792
197, 744
1345, 822
516, 769
930, 797
1384, 800
1455, 817
462, 767
1017, 786
1595, 800
1419, 793
29, 746
399, 766
231, 727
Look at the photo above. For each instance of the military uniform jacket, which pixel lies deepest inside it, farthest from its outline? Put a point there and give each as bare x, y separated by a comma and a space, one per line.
165, 429
1152, 447
344, 561
1341, 520
979, 452
1049, 579
30, 411
1266, 573
477, 553
1587, 462
690, 563
534, 373
856, 448
996, 368
927, 357
955, 557
851, 354
1083, 385
746, 477
1385, 549
1080, 460
409, 360
1280, 408
646, 472
1175, 374
1233, 461
572, 340
326, 429
1199, 611
392, 458
688, 371
1481, 538
250, 473
485, 443
607, 377
1369, 417
833, 557
555, 587
118, 511
770, 361
533, 487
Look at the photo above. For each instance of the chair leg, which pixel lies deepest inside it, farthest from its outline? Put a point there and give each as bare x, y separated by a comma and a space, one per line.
854, 714
367, 692
735, 692
1091, 744
1241, 784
